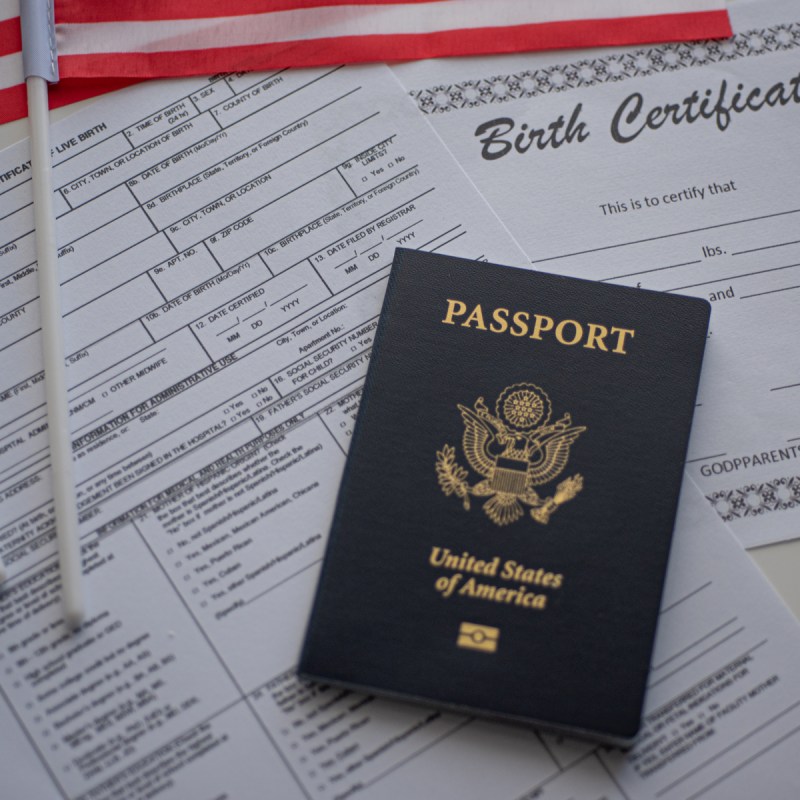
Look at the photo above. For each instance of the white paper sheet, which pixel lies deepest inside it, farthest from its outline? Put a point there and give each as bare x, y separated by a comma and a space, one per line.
699, 201
209, 449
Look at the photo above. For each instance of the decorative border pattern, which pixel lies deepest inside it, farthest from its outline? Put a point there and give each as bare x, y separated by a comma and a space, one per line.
781, 494
609, 69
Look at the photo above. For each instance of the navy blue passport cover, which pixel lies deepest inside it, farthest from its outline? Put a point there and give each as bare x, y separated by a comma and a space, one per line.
503, 524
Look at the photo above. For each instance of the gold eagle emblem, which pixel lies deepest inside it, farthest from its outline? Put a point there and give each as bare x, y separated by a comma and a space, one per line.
514, 450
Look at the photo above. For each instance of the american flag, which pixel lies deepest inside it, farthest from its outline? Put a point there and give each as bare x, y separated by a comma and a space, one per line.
105, 44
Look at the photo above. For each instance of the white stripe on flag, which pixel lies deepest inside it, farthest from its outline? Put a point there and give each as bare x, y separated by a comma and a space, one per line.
9, 9
11, 73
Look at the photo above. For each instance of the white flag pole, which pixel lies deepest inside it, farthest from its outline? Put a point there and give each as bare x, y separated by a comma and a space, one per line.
41, 66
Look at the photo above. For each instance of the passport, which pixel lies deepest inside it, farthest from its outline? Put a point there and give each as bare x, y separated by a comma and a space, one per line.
503, 524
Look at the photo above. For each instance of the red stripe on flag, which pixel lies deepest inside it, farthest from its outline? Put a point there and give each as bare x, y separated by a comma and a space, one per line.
64, 93
14, 102
75, 11
10, 36
398, 47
